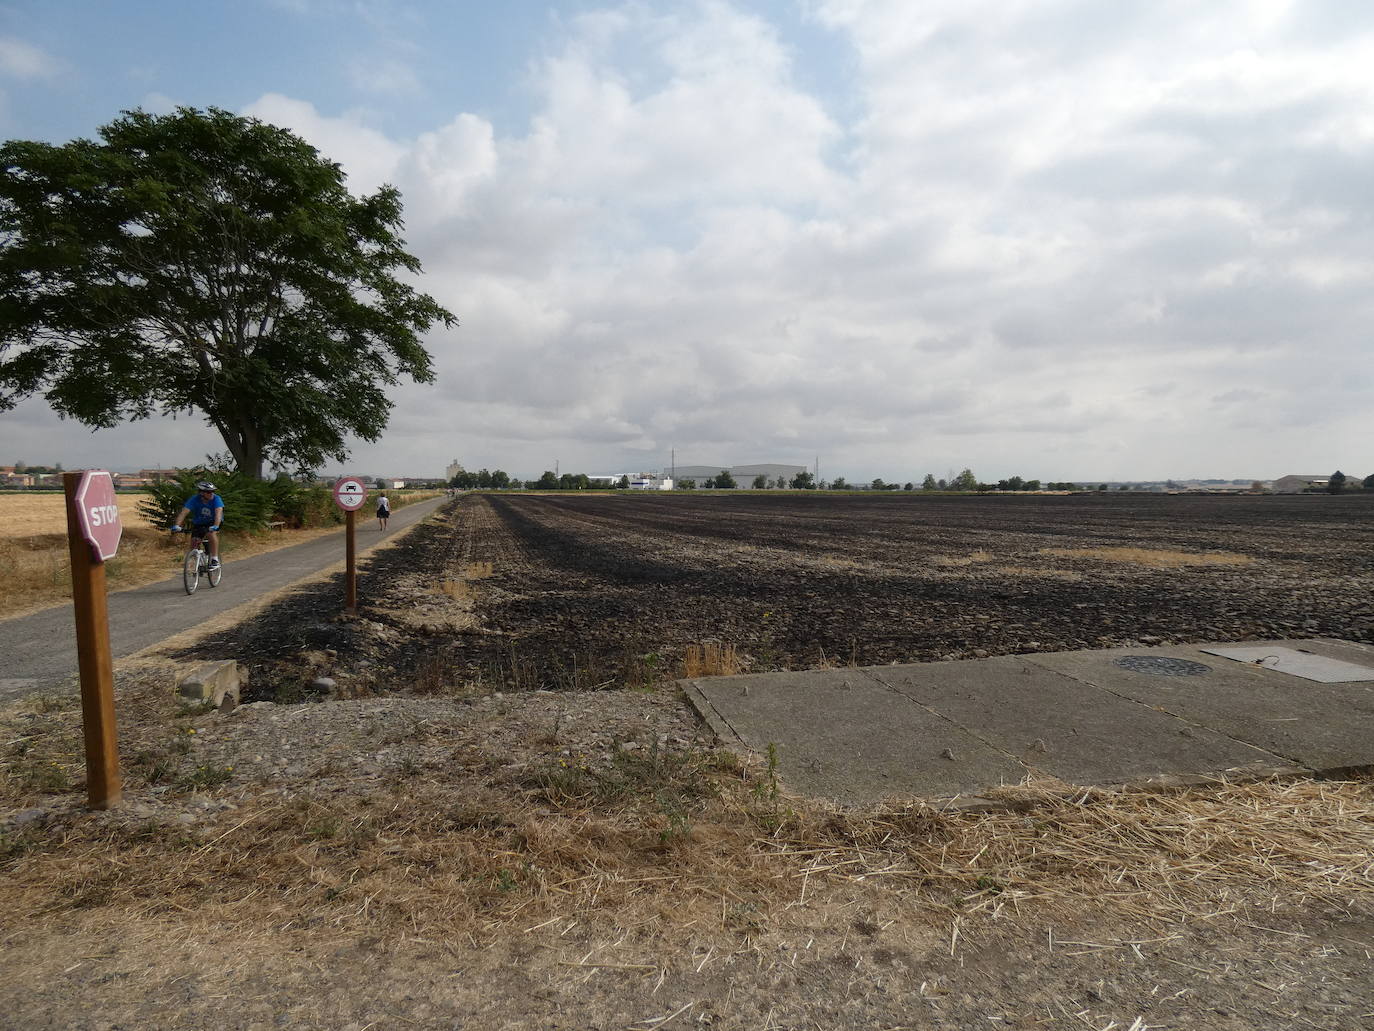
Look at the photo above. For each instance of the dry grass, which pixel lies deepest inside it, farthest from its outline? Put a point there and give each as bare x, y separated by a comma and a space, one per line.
504, 835
711, 659
36, 569
1155, 558
955, 561
458, 590
694, 841
29, 514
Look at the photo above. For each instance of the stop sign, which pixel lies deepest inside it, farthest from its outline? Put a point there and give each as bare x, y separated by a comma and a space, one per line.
97, 513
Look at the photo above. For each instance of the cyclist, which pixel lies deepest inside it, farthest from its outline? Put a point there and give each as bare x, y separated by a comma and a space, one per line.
206, 509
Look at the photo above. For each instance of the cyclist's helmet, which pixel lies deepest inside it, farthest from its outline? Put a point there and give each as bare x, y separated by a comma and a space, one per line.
205, 485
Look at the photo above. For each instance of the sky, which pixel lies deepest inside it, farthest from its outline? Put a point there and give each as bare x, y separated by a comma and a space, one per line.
1060, 239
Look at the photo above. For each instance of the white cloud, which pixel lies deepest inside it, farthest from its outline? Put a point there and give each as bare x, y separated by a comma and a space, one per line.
368, 156
21, 60
387, 77
1048, 237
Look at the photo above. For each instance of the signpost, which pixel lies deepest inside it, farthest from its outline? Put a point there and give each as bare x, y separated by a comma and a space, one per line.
93, 533
350, 495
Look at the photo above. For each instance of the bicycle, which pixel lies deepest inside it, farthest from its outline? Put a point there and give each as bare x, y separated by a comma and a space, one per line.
197, 562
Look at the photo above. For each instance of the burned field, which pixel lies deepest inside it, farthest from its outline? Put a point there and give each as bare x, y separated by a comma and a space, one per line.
519, 592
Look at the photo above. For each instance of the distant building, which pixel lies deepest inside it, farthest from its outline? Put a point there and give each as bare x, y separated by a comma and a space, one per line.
454, 468
648, 481
744, 475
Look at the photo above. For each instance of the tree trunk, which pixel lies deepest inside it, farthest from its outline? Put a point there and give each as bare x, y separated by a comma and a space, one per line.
244, 443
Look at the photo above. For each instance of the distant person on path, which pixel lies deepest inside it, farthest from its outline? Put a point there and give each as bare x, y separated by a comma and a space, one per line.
206, 509
383, 512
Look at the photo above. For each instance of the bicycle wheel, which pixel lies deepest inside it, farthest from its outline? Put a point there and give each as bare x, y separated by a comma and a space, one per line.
190, 570
213, 575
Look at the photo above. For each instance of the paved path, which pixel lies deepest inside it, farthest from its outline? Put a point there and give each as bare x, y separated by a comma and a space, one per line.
946, 729
40, 650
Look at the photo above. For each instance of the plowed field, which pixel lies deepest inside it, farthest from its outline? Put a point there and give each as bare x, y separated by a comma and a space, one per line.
531, 591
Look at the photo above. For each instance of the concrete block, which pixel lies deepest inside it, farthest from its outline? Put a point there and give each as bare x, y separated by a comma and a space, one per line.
842, 735
1324, 727
213, 682
1065, 727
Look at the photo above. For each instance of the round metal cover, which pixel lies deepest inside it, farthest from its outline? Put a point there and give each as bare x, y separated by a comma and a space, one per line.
1161, 666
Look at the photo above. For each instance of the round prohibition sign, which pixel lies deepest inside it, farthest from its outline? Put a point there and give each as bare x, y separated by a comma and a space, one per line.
349, 493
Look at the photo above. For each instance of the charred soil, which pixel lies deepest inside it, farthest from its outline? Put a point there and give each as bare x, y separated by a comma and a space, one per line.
557, 592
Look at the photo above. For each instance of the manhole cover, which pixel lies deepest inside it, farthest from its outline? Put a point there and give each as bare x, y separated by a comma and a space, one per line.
1161, 666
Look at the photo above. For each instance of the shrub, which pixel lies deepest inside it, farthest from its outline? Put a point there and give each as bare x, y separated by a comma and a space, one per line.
249, 503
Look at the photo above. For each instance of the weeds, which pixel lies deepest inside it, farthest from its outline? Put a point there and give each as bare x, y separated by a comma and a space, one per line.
56, 703
206, 776
154, 767
673, 780
44, 776
768, 811
710, 659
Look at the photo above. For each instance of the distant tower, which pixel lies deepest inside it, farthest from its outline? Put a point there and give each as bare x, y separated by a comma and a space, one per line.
454, 468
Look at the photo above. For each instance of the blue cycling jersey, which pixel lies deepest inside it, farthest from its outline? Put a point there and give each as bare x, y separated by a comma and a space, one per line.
203, 513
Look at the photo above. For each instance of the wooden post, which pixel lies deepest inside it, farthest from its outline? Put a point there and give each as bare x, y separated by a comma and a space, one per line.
351, 577
103, 786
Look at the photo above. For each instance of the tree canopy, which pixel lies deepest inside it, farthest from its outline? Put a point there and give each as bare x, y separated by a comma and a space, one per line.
203, 261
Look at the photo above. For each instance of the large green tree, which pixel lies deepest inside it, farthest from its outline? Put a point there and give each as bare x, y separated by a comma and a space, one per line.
205, 262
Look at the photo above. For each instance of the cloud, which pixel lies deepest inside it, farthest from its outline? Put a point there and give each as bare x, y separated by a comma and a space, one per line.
368, 156
391, 78
21, 60
1045, 224
1052, 238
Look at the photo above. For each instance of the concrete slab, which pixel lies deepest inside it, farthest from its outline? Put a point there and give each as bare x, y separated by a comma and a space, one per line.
842, 735
1067, 728
1324, 727
1298, 662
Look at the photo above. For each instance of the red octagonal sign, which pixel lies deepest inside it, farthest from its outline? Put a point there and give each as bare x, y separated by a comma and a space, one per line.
97, 513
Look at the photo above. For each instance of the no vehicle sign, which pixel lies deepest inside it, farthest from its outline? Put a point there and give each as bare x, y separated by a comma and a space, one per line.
349, 494
97, 513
